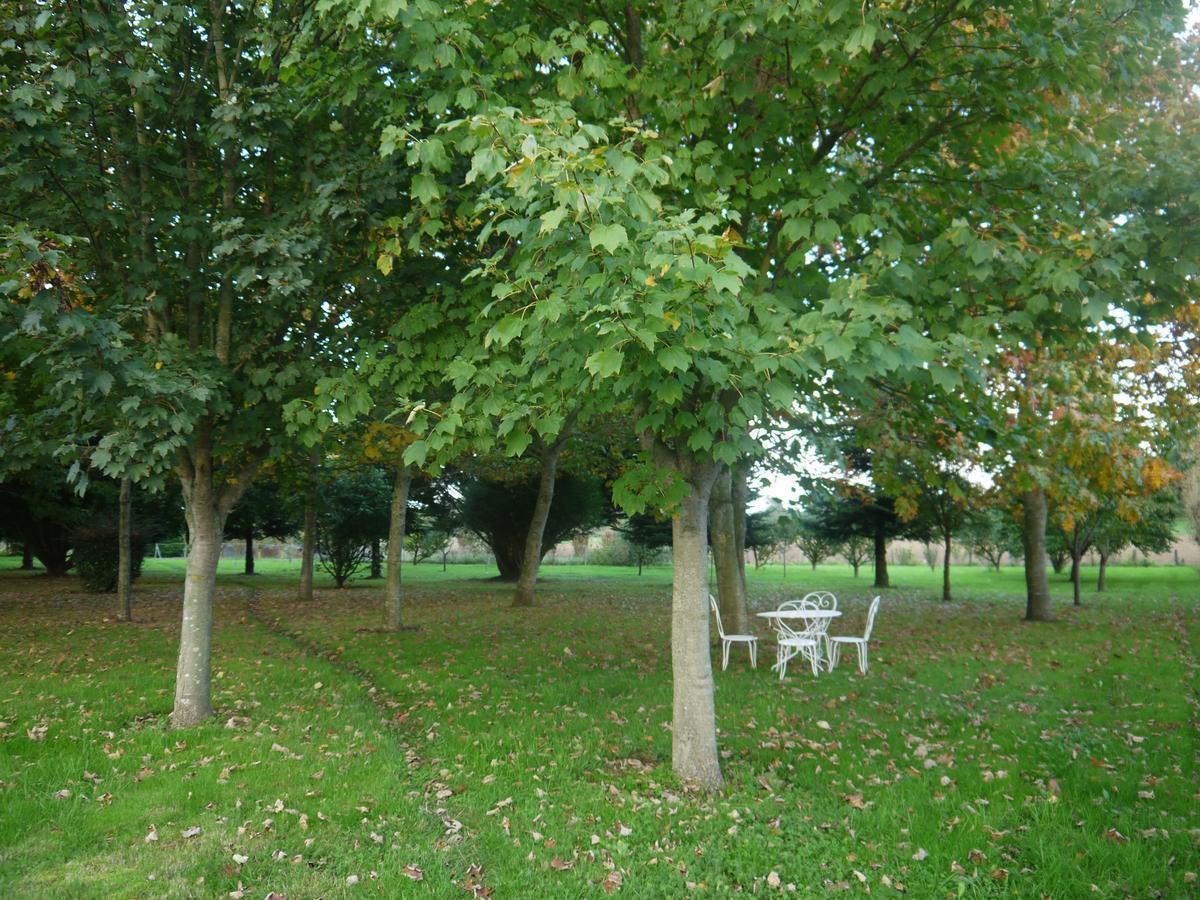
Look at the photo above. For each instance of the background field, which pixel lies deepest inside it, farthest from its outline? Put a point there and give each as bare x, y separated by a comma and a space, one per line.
527, 753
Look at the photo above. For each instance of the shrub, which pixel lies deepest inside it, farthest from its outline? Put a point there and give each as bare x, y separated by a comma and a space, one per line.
96, 556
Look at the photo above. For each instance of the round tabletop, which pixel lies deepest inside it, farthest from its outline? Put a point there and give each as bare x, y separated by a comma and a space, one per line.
801, 614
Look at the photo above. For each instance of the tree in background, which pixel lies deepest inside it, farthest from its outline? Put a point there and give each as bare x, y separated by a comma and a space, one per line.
815, 541
1150, 528
265, 511
352, 511
991, 533
647, 534
498, 513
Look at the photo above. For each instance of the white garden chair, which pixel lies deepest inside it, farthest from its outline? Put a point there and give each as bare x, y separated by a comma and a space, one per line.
860, 643
728, 640
791, 642
821, 600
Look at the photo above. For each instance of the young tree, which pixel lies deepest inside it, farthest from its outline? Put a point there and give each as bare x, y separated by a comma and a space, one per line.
263, 512
647, 535
353, 510
991, 533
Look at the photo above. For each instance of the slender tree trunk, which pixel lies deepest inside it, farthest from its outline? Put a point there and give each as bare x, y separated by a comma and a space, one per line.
309, 553
125, 550
694, 728
881, 570
946, 566
393, 594
1037, 584
192, 698
1076, 561
26, 556
723, 536
1102, 576
249, 567
531, 561
376, 560
740, 496
854, 565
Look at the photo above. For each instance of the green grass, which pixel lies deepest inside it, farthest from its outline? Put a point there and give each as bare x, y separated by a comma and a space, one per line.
980, 757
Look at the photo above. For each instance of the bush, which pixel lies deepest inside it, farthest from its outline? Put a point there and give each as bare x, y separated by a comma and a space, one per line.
96, 556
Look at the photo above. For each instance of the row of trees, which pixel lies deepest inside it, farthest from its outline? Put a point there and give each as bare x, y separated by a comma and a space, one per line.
236, 231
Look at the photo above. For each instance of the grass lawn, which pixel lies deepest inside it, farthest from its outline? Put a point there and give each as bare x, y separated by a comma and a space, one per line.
527, 752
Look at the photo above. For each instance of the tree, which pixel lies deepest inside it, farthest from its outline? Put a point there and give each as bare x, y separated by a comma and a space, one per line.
815, 542
647, 534
991, 533
221, 184
1150, 528
353, 510
498, 513
857, 550
263, 512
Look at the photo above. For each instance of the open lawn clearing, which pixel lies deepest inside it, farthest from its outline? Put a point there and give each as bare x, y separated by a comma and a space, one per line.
528, 752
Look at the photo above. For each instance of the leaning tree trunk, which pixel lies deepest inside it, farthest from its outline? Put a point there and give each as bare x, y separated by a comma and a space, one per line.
1037, 584
193, 702
249, 567
26, 556
694, 726
1101, 578
946, 567
531, 559
881, 570
125, 550
393, 603
309, 553
722, 529
1077, 591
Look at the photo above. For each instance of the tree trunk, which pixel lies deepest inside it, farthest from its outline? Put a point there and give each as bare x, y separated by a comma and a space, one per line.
376, 560
722, 529
249, 567
946, 567
854, 565
1075, 586
694, 727
309, 553
26, 556
531, 560
740, 496
1037, 585
193, 702
881, 570
125, 550
1101, 578
393, 604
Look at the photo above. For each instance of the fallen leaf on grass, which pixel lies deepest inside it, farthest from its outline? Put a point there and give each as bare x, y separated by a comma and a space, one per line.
612, 883
190, 832
561, 865
414, 872
1115, 836
152, 835
64, 794
921, 854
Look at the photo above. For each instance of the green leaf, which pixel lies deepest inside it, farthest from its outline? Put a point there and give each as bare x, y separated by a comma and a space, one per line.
674, 359
425, 188
605, 363
552, 219
610, 237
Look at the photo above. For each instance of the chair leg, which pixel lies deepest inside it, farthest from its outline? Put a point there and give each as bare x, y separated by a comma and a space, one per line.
724, 655
782, 663
814, 657
754, 654
835, 651
862, 658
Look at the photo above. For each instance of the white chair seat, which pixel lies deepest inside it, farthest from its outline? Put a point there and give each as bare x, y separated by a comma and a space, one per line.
848, 640
741, 637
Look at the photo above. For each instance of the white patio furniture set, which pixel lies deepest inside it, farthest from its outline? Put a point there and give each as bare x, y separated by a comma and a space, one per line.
801, 629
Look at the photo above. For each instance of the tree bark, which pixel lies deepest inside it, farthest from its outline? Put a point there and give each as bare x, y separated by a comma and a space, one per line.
193, 702
249, 567
881, 570
722, 528
531, 560
125, 550
740, 495
393, 604
946, 597
1101, 578
1075, 586
1037, 584
310, 531
376, 560
694, 727
26, 556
